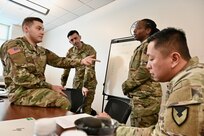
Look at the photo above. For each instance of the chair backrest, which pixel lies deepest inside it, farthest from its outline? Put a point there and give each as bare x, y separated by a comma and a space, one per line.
118, 109
77, 99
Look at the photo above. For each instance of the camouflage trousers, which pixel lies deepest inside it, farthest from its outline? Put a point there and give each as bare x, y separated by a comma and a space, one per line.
42, 97
88, 102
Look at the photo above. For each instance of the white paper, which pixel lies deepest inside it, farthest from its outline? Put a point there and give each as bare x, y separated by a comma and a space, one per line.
68, 121
17, 127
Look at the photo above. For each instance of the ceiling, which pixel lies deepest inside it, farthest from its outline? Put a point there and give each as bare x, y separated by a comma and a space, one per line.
61, 11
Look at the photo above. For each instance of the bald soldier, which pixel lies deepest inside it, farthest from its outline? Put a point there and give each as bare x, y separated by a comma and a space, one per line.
169, 60
24, 65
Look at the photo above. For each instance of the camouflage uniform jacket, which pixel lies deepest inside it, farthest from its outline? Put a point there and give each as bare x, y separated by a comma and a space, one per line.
24, 65
183, 113
143, 91
84, 75
184, 104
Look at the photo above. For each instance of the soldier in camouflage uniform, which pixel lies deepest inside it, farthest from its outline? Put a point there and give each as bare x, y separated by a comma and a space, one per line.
85, 77
144, 92
170, 60
24, 65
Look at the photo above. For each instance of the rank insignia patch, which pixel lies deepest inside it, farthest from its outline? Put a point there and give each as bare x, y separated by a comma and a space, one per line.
180, 114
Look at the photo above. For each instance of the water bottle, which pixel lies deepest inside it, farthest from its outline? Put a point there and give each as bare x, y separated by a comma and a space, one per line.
45, 127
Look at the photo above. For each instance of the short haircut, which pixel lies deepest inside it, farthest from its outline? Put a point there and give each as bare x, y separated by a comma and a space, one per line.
169, 40
72, 32
29, 20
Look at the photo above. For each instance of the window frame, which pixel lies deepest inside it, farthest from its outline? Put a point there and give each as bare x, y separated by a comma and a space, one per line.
2, 38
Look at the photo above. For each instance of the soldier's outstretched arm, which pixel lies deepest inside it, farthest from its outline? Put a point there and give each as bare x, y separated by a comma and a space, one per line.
89, 60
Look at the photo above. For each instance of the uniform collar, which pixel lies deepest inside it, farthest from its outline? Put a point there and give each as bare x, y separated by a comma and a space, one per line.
28, 45
82, 47
192, 62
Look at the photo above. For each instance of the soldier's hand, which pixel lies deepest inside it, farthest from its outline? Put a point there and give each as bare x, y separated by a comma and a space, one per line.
89, 60
59, 89
85, 91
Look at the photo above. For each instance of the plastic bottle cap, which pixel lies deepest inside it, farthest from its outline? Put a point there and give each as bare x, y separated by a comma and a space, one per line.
73, 133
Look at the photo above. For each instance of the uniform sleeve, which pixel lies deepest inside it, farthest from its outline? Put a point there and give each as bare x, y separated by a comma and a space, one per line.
18, 70
90, 78
90, 75
65, 76
61, 62
23, 78
133, 131
137, 75
185, 107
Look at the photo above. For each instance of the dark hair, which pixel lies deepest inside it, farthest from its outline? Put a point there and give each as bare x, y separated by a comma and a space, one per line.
150, 24
171, 39
29, 20
72, 32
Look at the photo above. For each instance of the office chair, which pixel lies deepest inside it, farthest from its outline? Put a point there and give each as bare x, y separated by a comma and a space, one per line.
76, 98
118, 109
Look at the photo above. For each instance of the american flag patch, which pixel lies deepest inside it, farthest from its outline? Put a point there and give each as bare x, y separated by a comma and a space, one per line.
13, 50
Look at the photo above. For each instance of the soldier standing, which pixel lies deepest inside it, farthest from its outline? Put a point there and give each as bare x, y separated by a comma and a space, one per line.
85, 77
144, 92
24, 65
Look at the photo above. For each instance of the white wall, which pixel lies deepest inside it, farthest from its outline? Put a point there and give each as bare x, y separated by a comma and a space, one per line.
114, 20
15, 31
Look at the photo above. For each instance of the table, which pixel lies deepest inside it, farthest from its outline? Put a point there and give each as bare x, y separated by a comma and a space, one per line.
9, 112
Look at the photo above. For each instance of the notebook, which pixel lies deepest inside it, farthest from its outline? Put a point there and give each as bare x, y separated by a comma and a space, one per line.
68, 121
17, 127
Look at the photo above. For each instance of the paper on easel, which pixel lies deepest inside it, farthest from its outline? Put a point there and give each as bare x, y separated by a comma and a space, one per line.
68, 121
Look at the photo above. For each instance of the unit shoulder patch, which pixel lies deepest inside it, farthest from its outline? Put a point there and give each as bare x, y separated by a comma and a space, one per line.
180, 114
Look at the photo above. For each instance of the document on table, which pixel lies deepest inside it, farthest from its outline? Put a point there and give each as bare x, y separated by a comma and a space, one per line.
68, 121
17, 127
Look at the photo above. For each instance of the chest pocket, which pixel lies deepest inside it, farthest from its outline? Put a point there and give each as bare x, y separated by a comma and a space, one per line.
182, 114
